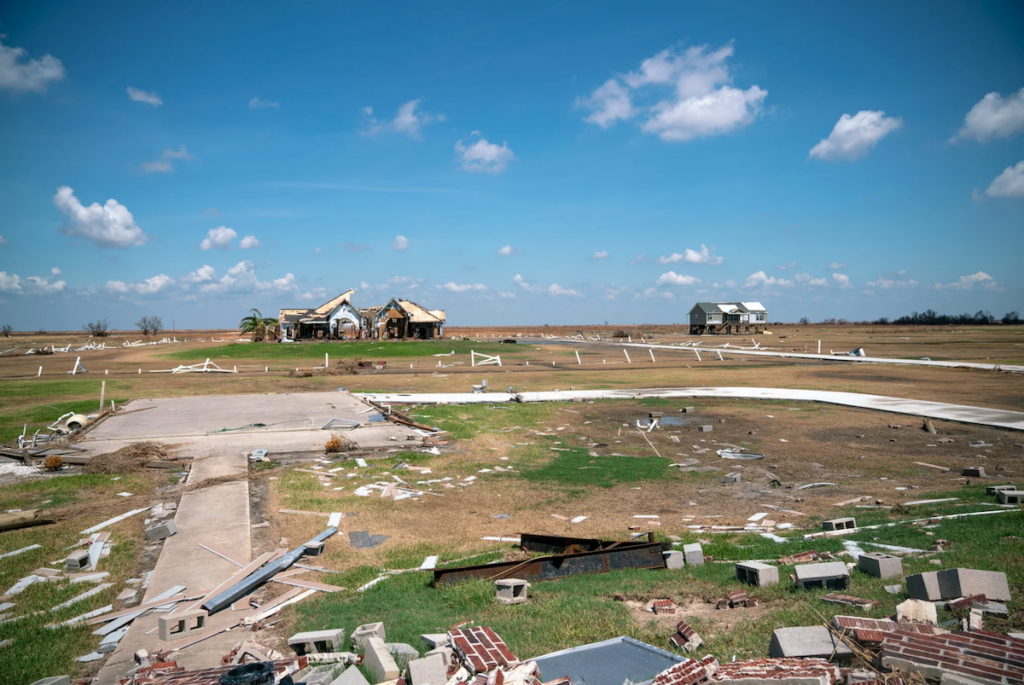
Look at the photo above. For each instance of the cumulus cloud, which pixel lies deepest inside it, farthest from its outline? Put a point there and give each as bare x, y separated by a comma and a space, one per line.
136, 95
888, 284
853, 137
3, 240
218, 238
842, 280
981, 280
33, 285
703, 256
672, 278
760, 279
993, 117
257, 103
809, 281
400, 244
639, 259
149, 286
483, 157
242, 278
407, 121
1010, 183
786, 267
164, 164
600, 254
109, 226
837, 265
557, 290
654, 292
696, 98
203, 274
508, 250
32, 74
461, 288
249, 242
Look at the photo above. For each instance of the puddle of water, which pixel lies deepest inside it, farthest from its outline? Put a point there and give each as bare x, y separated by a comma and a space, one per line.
375, 418
662, 421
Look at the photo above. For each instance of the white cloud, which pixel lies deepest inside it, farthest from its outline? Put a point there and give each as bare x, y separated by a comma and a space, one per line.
218, 238
508, 250
461, 288
317, 250
853, 137
34, 74
842, 280
162, 164
654, 292
703, 256
639, 259
407, 121
1010, 183
810, 281
249, 242
242, 278
993, 117
203, 274
558, 290
600, 254
760, 279
888, 284
702, 102
33, 285
400, 244
150, 286
9, 283
785, 267
55, 271
672, 278
484, 157
837, 265
136, 95
158, 166
257, 103
3, 240
980, 279
111, 225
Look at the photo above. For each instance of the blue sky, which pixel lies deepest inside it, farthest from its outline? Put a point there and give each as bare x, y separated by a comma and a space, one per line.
510, 163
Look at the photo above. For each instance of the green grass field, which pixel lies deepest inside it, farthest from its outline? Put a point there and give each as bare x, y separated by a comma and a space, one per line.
342, 350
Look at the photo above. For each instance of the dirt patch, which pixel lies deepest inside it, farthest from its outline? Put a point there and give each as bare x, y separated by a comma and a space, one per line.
689, 608
129, 459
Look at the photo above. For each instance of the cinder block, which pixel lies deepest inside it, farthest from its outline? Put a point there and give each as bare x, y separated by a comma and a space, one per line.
317, 642
674, 559
181, 625
756, 573
1010, 496
974, 471
833, 575
363, 632
924, 586
688, 410
731, 478
54, 680
806, 641
314, 548
839, 524
446, 652
435, 640
378, 660
511, 591
705, 429
880, 565
351, 676
400, 649
993, 489
964, 582
161, 531
77, 560
429, 670
694, 554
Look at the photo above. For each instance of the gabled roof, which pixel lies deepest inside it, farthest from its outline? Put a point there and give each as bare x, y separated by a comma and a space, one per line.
418, 314
752, 306
328, 307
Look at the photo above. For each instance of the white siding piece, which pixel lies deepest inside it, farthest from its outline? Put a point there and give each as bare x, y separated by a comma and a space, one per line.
335, 519
579, 519
20, 586
19, 551
116, 519
85, 595
428, 564
757, 517
84, 617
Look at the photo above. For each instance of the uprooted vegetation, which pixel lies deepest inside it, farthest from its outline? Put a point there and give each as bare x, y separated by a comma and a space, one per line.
343, 367
129, 459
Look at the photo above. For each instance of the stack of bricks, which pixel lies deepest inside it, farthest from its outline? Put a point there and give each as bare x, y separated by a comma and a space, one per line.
737, 598
979, 656
806, 670
686, 637
481, 650
799, 558
871, 631
663, 606
689, 672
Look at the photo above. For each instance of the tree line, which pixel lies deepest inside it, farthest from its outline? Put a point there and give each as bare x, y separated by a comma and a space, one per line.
930, 317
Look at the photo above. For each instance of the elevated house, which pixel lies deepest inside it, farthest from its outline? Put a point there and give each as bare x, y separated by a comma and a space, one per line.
712, 318
339, 319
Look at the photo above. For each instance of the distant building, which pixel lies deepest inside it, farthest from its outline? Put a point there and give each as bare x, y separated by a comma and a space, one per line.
339, 319
727, 317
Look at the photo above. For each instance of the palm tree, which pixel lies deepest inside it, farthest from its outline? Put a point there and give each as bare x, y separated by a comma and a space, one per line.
256, 324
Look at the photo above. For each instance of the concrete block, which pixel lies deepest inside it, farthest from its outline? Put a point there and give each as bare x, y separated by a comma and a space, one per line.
917, 611
839, 524
435, 640
77, 560
363, 632
806, 641
924, 586
318, 675
688, 410
161, 531
317, 642
401, 649
1010, 496
756, 573
731, 478
964, 582
694, 554
446, 652
351, 676
993, 489
974, 471
378, 660
880, 565
833, 575
674, 559
511, 591
314, 548
54, 680
429, 670
705, 429
181, 625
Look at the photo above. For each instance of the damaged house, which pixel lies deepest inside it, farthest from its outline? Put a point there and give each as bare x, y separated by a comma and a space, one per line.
339, 319
712, 318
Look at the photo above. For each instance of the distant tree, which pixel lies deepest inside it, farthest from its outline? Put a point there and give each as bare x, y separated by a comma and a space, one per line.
828, 321
882, 321
98, 329
804, 321
1011, 319
842, 321
257, 325
150, 324
7, 330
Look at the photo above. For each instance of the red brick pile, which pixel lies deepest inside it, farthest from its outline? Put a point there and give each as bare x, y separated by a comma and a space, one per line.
663, 606
778, 669
686, 637
689, 672
481, 650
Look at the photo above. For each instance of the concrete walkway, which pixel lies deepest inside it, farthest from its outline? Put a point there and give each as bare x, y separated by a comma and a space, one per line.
998, 418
